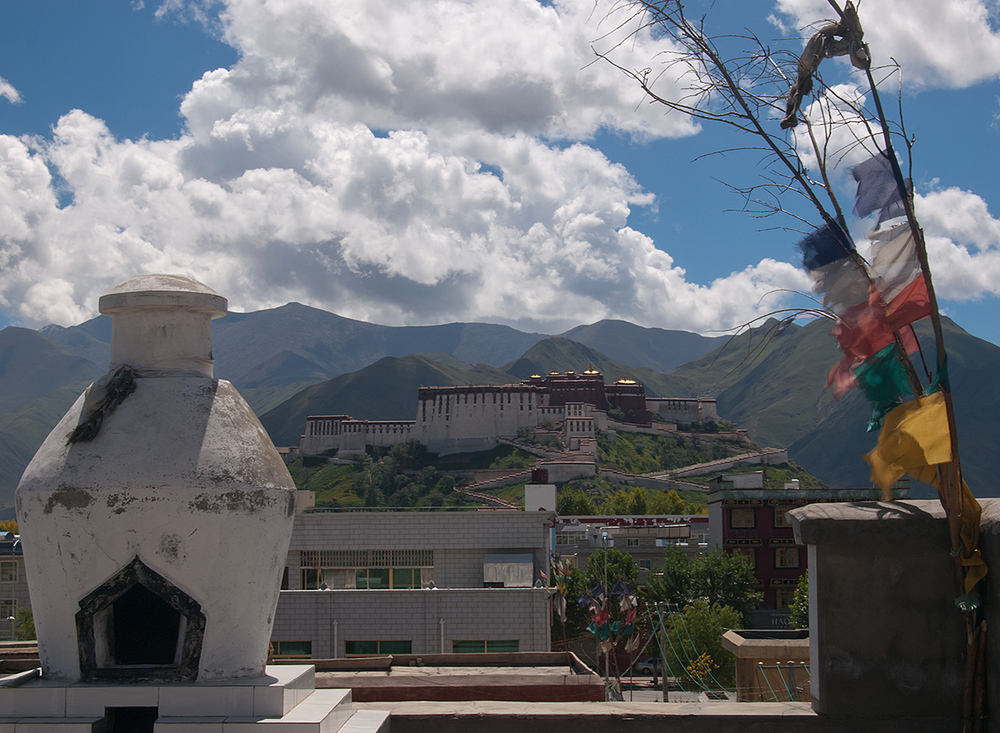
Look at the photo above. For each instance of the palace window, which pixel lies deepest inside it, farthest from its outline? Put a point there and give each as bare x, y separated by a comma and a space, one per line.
741, 518
786, 557
781, 516
783, 597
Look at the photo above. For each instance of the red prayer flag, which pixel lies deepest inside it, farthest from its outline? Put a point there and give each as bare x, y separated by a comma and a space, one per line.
867, 328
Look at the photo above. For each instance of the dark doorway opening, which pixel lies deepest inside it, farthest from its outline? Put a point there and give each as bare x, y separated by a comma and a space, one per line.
145, 628
130, 720
137, 626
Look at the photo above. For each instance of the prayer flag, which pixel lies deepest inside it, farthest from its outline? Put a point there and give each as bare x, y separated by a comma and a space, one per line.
827, 244
884, 381
877, 188
894, 260
868, 327
914, 436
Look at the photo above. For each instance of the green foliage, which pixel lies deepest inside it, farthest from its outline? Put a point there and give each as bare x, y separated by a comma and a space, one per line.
670, 502
574, 502
694, 633
726, 579
517, 458
627, 501
641, 453
718, 578
583, 496
333, 484
800, 604
620, 566
775, 477
24, 624
394, 477
673, 581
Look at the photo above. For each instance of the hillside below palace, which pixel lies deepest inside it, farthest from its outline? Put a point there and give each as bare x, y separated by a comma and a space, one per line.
474, 417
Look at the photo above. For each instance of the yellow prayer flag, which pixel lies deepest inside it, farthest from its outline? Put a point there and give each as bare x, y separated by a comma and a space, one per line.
914, 435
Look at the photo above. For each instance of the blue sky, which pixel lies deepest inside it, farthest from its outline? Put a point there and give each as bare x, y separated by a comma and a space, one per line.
370, 159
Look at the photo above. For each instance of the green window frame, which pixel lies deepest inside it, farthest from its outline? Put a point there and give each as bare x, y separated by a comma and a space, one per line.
488, 646
291, 649
377, 648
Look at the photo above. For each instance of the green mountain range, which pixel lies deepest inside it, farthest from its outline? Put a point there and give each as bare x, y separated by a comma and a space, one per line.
294, 361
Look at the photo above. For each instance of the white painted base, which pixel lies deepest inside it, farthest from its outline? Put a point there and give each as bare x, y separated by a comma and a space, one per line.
285, 699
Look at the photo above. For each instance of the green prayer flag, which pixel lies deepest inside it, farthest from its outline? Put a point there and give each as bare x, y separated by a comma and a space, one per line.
884, 381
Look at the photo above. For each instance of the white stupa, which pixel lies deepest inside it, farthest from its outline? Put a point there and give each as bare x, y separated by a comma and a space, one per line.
155, 521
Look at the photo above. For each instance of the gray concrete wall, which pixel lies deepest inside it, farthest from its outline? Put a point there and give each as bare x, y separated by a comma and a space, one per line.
413, 615
624, 717
886, 637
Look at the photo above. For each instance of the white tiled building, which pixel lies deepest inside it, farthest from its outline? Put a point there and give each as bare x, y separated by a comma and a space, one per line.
363, 583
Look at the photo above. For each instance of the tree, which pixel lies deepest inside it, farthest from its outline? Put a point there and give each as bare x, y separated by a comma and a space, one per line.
574, 502
718, 578
670, 502
619, 567
692, 644
24, 624
800, 603
672, 582
726, 579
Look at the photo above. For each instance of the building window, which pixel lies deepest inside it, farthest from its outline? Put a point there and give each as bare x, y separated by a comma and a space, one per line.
742, 518
489, 646
566, 538
781, 516
783, 597
8, 572
292, 649
384, 578
632, 542
749, 553
786, 557
310, 578
377, 648
645, 565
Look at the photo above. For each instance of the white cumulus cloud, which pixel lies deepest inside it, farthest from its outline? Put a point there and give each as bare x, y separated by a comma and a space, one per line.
938, 44
400, 162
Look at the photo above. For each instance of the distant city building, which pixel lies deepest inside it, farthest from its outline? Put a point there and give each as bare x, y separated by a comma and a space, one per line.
473, 417
13, 583
748, 519
645, 538
371, 583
